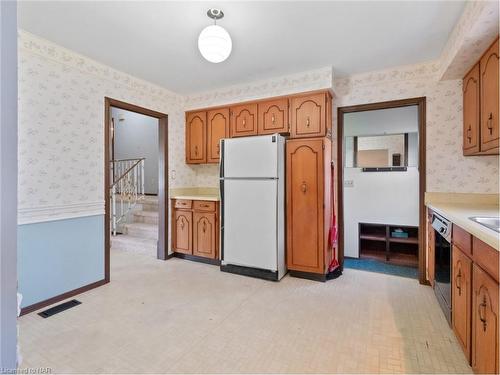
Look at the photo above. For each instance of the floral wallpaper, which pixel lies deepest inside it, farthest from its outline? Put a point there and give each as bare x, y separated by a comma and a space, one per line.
61, 138
472, 35
447, 169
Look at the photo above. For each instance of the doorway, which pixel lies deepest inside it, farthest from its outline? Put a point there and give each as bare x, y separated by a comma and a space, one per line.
132, 177
381, 186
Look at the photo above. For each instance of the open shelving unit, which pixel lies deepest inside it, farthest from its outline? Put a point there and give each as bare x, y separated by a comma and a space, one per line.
377, 242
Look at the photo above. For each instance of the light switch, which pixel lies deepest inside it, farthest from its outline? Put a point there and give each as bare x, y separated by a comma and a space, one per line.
173, 174
349, 183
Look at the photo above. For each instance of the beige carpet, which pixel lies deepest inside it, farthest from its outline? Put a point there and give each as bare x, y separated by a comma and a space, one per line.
184, 317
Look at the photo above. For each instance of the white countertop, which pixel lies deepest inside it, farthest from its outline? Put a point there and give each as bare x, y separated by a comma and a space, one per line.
459, 213
196, 197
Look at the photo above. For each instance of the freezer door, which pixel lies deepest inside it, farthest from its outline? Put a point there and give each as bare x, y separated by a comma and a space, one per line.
251, 157
250, 223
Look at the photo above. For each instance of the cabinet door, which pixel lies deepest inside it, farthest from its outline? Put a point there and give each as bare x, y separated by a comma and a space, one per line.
471, 112
308, 116
484, 323
205, 235
273, 116
195, 138
431, 255
183, 232
461, 284
217, 129
489, 100
305, 193
244, 120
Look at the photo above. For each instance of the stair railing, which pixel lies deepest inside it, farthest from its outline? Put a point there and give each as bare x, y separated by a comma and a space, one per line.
127, 188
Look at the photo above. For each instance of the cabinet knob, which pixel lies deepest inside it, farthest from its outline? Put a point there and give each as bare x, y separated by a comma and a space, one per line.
458, 282
482, 312
308, 121
303, 187
490, 123
196, 150
182, 223
469, 131
204, 226
273, 119
244, 122
218, 149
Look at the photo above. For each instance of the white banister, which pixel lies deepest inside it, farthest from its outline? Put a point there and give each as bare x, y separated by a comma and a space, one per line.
126, 190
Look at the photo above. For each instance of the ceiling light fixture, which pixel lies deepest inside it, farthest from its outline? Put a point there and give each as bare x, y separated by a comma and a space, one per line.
214, 42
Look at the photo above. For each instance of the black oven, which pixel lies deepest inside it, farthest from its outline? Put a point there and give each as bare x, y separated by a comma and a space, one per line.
442, 263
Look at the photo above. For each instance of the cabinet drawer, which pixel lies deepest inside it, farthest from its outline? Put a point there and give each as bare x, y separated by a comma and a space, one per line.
182, 203
486, 257
204, 205
462, 239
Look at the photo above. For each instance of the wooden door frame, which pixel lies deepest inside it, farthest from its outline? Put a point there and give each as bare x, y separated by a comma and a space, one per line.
163, 222
420, 102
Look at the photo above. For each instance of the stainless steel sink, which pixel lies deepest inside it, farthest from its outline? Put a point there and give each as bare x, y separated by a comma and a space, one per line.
489, 222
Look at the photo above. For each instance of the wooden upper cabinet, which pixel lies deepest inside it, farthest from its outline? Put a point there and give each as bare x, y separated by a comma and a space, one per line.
305, 199
485, 325
461, 299
196, 137
217, 129
471, 108
310, 115
205, 233
183, 226
244, 120
489, 100
273, 116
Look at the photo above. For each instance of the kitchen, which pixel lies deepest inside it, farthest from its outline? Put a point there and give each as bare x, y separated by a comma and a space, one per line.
253, 235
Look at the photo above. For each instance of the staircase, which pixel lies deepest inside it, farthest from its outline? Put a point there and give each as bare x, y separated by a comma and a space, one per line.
140, 233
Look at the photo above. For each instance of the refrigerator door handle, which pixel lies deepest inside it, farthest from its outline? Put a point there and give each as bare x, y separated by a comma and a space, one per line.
221, 160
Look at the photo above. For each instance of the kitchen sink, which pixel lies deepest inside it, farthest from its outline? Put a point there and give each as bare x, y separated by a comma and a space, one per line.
489, 222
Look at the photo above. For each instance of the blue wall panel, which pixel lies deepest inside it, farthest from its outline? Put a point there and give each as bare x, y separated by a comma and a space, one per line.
58, 256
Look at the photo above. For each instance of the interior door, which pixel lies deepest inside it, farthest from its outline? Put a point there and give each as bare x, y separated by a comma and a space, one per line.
250, 223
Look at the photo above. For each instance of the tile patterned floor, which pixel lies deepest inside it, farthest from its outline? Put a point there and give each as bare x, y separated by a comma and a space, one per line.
184, 317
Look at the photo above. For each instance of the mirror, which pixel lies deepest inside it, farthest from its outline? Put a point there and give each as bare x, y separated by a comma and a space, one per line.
381, 151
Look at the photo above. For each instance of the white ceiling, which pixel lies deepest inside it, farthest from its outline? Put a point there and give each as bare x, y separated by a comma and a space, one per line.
157, 41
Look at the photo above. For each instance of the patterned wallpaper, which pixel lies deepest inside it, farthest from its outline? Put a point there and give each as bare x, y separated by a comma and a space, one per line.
447, 169
61, 140
474, 32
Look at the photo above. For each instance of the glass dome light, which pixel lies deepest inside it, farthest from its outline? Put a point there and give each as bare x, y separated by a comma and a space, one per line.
214, 42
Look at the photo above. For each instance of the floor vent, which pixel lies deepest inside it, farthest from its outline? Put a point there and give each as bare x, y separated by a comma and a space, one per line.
59, 308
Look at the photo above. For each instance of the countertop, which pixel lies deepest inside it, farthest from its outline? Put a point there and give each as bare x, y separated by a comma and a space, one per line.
458, 212
195, 193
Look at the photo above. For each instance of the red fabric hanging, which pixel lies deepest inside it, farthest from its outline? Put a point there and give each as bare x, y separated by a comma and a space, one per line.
332, 235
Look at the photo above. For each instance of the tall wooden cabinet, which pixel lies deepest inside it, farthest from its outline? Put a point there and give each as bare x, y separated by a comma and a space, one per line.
308, 200
481, 131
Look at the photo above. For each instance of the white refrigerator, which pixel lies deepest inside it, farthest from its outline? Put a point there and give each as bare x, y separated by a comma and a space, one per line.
252, 184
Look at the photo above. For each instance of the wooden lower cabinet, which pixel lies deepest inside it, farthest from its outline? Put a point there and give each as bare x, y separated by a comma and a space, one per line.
308, 204
204, 233
484, 323
461, 299
182, 231
195, 229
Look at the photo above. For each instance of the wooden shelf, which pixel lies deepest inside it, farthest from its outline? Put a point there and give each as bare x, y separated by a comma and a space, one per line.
372, 237
375, 242
409, 240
